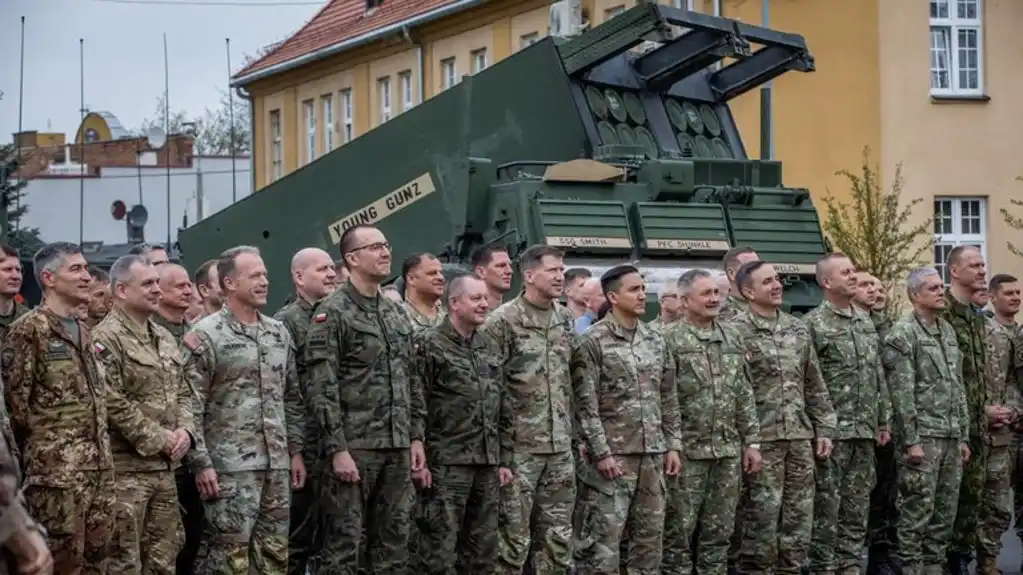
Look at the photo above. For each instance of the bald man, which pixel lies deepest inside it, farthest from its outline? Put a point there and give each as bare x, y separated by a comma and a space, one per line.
590, 293
314, 278
177, 298
671, 306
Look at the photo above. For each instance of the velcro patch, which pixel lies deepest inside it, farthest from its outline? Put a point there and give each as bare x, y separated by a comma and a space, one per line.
317, 341
191, 341
320, 318
101, 349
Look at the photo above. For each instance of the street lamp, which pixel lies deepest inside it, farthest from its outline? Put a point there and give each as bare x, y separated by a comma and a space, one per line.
192, 129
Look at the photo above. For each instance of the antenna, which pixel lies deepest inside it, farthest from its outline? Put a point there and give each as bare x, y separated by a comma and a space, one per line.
156, 137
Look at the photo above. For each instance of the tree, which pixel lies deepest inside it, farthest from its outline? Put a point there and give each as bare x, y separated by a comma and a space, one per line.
1015, 222
12, 190
874, 227
212, 130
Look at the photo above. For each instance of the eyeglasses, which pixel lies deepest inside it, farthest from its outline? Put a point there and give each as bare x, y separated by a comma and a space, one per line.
377, 247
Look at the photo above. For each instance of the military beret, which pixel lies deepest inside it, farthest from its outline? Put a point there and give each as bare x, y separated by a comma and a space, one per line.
615, 273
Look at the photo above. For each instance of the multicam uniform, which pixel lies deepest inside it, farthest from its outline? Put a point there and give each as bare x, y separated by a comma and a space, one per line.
626, 408
536, 436
922, 366
456, 400
846, 345
252, 419
794, 408
14, 517
145, 366
719, 421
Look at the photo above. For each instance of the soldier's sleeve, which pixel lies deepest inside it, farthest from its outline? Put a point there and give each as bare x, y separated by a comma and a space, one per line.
884, 409
143, 432
586, 366
495, 328
17, 361
419, 376
671, 417
818, 401
1014, 380
14, 517
963, 404
746, 418
186, 404
323, 347
294, 405
199, 369
897, 358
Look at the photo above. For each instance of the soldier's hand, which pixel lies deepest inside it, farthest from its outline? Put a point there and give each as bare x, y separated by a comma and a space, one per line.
915, 454
504, 476
207, 484
608, 467
583, 455
883, 437
344, 467
183, 445
422, 479
298, 474
417, 454
170, 441
672, 463
965, 450
823, 447
751, 460
30, 553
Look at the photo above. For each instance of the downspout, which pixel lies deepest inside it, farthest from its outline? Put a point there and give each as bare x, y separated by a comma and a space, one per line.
766, 133
419, 61
245, 95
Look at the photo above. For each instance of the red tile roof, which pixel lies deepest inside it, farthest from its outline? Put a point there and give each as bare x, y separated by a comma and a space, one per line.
337, 21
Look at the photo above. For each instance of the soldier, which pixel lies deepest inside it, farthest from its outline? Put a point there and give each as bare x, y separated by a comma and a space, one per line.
734, 259
312, 273
492, 264
966, 275
574, 298
724, 287
358, 352
59, 412
155, 253
99, 298
590, 293
207, 285
142, 363
719, 425
535, 337
847, 349
882, 322
458, 372
865, 295
424, 289
922, 366
177, 294
341, 271
627, 412
391, 293
10, 287
670, 304
250, 422
797, 423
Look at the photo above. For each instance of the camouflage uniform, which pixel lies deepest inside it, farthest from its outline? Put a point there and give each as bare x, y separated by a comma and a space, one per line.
456, 402
536, 435
420, 321
14, 517
846, 345
60, 408
358, 353
719, 421
794, 408
659, 326
304, 541
253, 421
883, 514
971, 330
6, 320
922, 368
145, 366
626, 408
736, 306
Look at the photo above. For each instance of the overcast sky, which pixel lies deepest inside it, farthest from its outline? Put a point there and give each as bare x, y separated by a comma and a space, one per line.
124, 71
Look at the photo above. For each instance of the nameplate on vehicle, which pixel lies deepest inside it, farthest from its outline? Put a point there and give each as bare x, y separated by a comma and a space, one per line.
689, 245
799, 269
588, 242
393, 202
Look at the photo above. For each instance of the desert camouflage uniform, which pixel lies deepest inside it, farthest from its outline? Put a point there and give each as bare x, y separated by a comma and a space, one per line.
252, 422
60, 407
6, 320
846, 345
14, 517
358, 354
536, 435
456, 400
626, 405
794, 408
883, 514
145, 366
719, 421
304, 541
922, 368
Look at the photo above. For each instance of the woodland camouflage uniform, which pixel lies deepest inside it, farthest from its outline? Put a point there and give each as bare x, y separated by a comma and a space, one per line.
846, 345
358, 353
461, 380
794, 408
626, 405
145, 366
718, 421
60, 407
237, 371
922, 364
536, 436
735, 306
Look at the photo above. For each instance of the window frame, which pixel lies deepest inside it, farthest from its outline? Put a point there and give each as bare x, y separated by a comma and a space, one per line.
956, 237
448, 73
385, 99
276, 146
527, 40
309, 115
327, 106
347, 103
476, 56
407, 93
954, 24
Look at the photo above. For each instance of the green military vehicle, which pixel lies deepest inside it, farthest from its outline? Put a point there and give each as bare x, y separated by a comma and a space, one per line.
590, 144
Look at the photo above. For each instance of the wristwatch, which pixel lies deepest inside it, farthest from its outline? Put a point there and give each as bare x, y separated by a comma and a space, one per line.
754, 446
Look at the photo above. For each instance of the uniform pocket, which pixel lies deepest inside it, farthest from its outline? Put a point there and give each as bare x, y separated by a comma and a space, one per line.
55, 508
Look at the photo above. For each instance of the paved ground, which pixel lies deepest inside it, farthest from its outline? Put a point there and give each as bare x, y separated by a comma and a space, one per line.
1012, 554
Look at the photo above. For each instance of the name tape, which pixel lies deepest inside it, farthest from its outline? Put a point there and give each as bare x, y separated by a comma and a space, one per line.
689, 245
588, 242
801, 269
393, 202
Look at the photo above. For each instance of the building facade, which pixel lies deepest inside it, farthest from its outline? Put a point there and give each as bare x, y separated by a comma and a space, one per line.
923, 83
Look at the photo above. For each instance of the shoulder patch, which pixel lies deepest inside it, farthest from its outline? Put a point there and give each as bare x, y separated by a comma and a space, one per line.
191, 341
100, 349
320, 317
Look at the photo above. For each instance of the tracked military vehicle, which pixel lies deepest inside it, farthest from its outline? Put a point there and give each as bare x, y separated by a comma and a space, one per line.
590, 144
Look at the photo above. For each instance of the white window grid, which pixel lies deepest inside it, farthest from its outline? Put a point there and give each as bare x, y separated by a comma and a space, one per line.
956, 47
384, 90
276, 159
449, 73
309, 107
479, 60
958, 221
528, 39
327, 102
405, 82
346, 116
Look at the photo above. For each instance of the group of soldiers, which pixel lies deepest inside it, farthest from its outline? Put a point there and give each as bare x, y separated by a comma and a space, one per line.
157, 422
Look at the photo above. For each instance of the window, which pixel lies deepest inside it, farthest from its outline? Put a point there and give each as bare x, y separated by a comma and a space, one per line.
384, 91
956, 47
309, 109
958, 221
346, 116
528, 39
276, 157
479, 60
328, 122
613, 11
405, 83
448, 73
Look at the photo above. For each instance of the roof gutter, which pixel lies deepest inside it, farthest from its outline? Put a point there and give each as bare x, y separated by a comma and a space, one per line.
359, 40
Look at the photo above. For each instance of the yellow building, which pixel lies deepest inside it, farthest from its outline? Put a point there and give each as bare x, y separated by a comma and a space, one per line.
933, 84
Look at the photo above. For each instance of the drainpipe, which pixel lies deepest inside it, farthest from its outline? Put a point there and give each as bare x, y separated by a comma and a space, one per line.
717, 7
245, 95
766, 133
419, 60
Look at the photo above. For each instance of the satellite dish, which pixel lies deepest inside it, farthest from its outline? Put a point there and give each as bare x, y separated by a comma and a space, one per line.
118, 210
156, 137
138, 216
